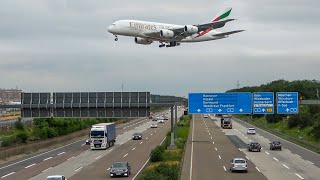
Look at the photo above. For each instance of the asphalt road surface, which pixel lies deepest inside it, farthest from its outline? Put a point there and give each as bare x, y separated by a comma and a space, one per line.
208, 154
29, 166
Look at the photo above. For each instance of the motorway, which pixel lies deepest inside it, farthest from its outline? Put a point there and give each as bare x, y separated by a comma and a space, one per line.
77, 161
78, 154
208, 154
292, 163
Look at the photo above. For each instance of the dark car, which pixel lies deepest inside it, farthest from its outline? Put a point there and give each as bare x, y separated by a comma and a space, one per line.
120, 169
275, 145
137, 136
254, 146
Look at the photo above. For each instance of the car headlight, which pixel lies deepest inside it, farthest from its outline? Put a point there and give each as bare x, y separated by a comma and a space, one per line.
132, 136
139, 136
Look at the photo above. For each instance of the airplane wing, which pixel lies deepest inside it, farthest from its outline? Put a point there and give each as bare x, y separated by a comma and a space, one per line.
228, 33
180, 34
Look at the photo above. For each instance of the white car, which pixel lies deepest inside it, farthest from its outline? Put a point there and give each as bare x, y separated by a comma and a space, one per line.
161, 120
239, 164
56, 177
251, 131
154, 125
205, 116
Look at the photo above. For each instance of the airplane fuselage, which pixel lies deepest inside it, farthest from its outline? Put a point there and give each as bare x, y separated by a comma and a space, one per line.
136, 28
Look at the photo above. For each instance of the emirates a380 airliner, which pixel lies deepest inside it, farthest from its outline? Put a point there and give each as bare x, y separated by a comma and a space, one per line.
171, 35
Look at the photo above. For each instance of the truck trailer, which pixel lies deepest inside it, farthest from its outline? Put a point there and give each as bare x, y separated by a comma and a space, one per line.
102, 135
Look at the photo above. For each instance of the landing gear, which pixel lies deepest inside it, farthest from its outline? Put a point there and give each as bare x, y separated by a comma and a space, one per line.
116, 38
161, 45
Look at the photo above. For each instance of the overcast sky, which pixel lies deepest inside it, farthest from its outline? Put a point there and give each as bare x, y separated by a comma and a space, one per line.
63, 45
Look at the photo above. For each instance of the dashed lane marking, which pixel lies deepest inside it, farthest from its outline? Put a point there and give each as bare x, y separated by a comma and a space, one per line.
47, 158
258, 169
79, 168
8, 175
299, 176
61, 153
125, 155
275, 159
285, 166
30, 165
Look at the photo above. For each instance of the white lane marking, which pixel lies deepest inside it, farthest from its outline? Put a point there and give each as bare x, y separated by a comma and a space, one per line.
133, 148
108, 169
61, 153
242, 135
298, 155
258, 169
83, 144
98, 157
151, 134
239, 149
251, 141
275, 159
70, 158
30, 165
211, 137
146, 162
219, 157
124, 128
247, 157
8, 175
224, 168
310, 162
121, 143
299, 176
267, 153
47, 158
246, 137
216, 149
192, 147
285, 166
125, 155
212, 142
111, 149
79, 168
147, 137
47, 169
209, 134
141, 142
155, 131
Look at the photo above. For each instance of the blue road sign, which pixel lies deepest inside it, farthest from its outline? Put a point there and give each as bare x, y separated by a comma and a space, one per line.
287, 103
263, 102
220, 103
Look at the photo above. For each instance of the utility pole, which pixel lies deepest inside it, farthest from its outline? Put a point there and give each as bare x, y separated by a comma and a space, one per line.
172, 145
238, 85
317, 93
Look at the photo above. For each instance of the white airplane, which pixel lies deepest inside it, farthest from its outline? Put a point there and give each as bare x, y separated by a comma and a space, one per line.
146, 32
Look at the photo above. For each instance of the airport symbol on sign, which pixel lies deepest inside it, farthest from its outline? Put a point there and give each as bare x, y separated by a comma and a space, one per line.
263, 102
287, 103
220, 103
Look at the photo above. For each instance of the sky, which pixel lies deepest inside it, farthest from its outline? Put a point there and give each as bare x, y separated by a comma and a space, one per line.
64, 46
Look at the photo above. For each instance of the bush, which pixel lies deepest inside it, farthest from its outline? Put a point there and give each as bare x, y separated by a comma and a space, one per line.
157, 154
40, 133
316, 131
274, 118
18, 125
8, 140
22, 136
169, 171
51, 132
301, 120
150, 174
179, 142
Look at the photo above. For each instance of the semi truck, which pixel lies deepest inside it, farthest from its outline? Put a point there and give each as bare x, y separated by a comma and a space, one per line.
226, 123
102, 135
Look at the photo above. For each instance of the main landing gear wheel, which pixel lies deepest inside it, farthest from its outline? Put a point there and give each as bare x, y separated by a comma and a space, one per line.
161, 45
116, 39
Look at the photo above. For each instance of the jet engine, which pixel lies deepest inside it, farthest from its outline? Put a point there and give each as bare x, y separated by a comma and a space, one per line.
190, 29
166, 33
139, 40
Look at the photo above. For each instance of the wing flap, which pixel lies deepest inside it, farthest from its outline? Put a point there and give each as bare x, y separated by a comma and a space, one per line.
228, 33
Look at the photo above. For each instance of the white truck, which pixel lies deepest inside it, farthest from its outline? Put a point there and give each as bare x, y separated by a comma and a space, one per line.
102, 135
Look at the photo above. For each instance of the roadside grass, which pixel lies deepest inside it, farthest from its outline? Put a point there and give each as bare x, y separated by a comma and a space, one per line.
170, 158
282, 127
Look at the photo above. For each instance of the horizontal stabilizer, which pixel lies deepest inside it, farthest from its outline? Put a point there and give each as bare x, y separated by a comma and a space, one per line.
228, 33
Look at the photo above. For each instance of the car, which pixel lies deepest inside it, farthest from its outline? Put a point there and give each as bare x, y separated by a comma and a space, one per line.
161, 120
153, 125
155, 118
239, 164
120, 169
56, 177
205, 116
251, 131
165, 118
88, 141
275, 145
137, 136
254, 146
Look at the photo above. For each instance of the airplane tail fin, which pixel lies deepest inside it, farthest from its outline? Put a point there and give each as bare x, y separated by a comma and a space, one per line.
222, 14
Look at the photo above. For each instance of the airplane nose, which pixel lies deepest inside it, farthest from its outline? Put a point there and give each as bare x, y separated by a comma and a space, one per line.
110, 29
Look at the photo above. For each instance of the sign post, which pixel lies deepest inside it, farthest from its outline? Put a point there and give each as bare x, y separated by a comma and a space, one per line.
263, 102
287, 103
220, 103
